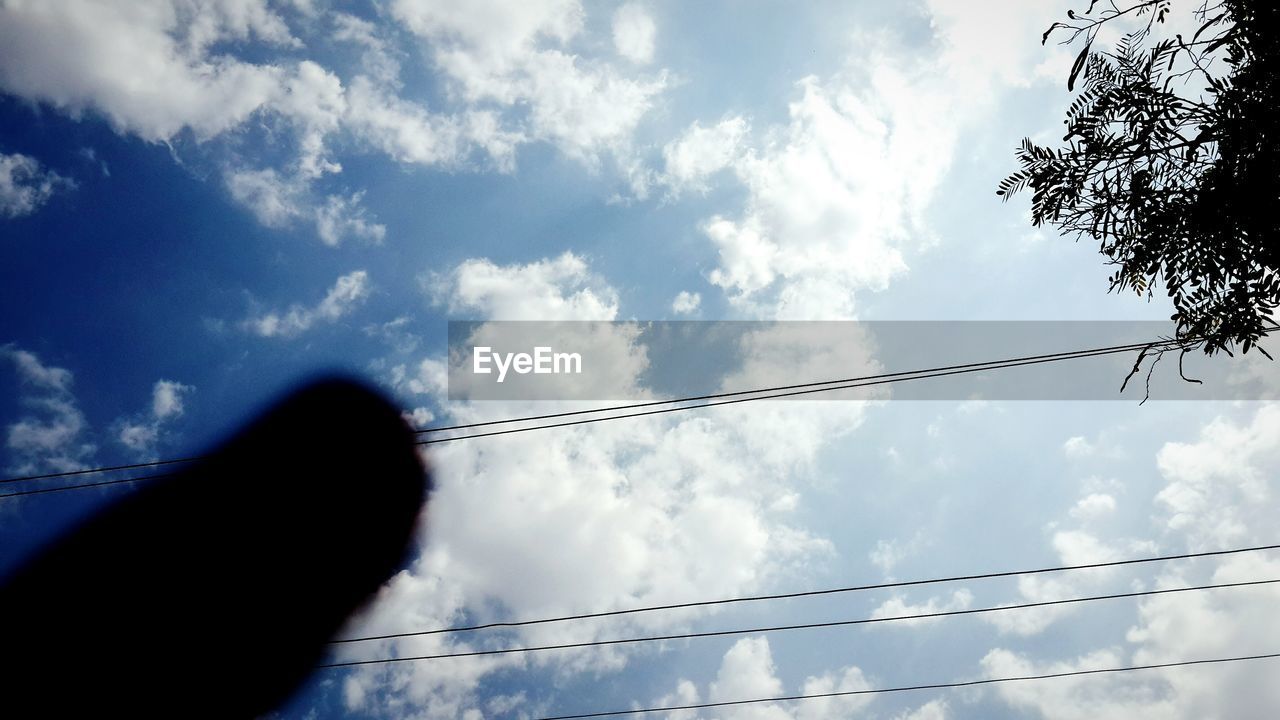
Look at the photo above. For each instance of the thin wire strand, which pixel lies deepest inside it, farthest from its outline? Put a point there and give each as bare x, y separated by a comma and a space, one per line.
999, 365
931, 686
82, 486
812, 593
802, 626
109, 468
990, 364
897, 377
715, 396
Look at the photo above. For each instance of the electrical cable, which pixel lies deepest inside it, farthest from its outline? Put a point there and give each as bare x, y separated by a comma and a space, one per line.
807, 388
930, 686
787, 628
923, 375
843, 383
812, 593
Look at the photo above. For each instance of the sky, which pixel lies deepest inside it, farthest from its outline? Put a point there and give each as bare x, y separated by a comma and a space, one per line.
203, 202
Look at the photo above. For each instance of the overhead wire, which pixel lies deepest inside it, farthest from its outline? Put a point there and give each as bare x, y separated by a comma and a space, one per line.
738, 397
854, 384
897, 584
799, 626
679, 404
736, 393
105, 469
929, 686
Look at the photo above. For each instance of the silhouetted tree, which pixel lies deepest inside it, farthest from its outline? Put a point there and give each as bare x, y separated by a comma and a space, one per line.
1171, 161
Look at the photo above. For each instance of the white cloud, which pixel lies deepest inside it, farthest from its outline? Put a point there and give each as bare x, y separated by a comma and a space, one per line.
381, 59
689, 160
747, 672
141, 433
141, 438
554, 289
1094, 506
220, 69
837, 196
1072, 547
686, 303
897, 606
278, 200
1105, 697
646, 512
25, 186
1218, 494
419, 417
51, 436
513, 54
1219, 490
347, 292
833, 197
1077, 447
405, 131
633, 33
932, 710
888, 553
146, 66
167, 399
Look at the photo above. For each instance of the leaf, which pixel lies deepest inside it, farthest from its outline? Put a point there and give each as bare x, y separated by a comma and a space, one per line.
1045, 37
1226, 37
1206, 26
1078, 66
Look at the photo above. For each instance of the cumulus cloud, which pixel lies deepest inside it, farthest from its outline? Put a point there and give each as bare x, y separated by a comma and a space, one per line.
747, 671
1077, 447
347, 292
686, 303
932, 710
147, 67
1219, 489
1072, 547
699, 153
278, 200
50, 437
648, 512
1218, 493
834, 197
141, 433
837, 196
515, 55
888, 553
219, 70
562, 288
633, 33
898, 606
1093, 506
25, 186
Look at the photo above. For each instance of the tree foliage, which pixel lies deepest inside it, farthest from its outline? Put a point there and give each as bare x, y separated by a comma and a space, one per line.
1171, 162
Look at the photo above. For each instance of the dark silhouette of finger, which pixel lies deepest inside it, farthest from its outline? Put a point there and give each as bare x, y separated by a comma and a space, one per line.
213, 591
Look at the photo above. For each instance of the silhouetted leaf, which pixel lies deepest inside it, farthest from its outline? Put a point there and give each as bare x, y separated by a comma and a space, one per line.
1077, 67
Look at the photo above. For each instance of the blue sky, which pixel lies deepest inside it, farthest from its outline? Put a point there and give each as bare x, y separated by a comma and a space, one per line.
202, 203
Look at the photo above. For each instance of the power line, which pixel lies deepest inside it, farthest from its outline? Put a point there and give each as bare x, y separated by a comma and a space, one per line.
931, 686
904, 375
110, 468
812, 593
81, 486
714, 396
896, 377
788, 391
802, 626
